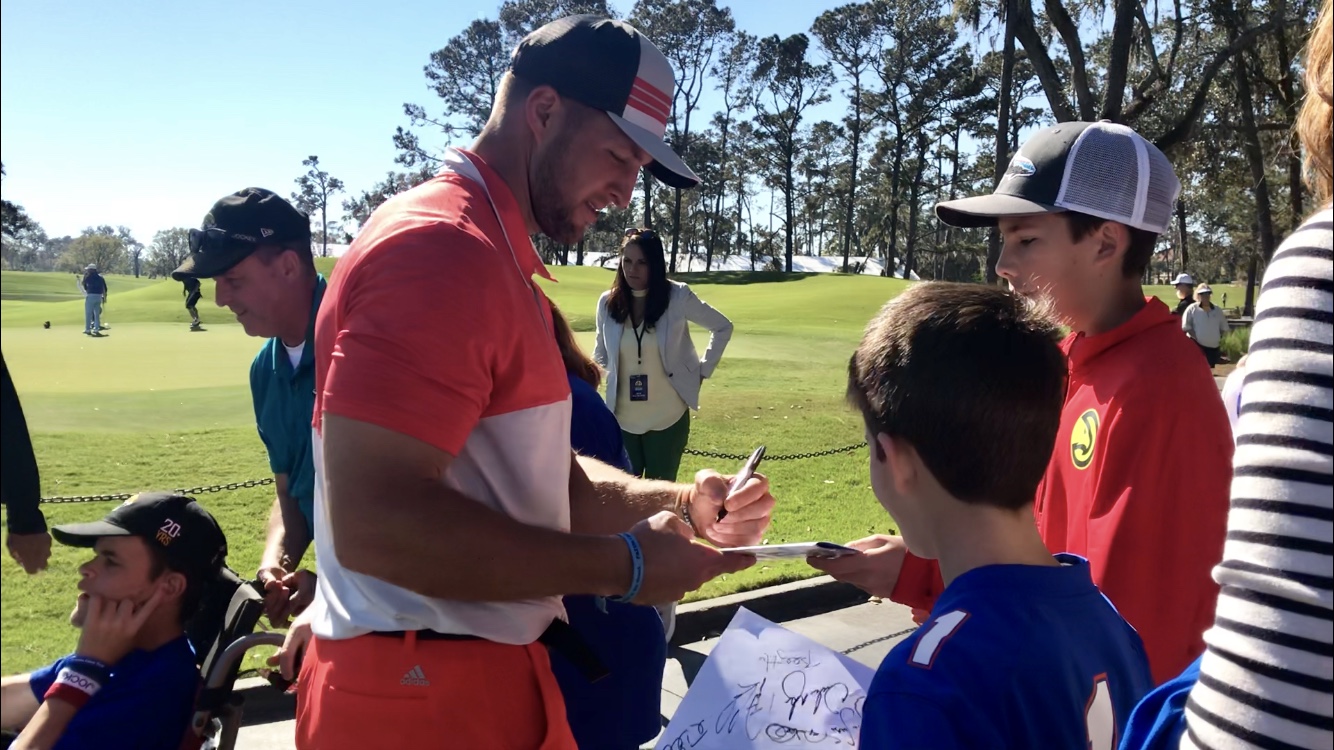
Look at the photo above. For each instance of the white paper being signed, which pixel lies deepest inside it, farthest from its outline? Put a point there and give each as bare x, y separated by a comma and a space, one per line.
766, 687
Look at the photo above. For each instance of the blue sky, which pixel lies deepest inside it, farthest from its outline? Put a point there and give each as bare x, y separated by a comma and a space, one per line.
144, 112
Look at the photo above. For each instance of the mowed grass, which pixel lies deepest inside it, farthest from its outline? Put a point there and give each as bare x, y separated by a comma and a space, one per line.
153, 405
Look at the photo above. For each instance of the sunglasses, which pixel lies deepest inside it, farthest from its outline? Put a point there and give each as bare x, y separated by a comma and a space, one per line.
644, 233
216, 238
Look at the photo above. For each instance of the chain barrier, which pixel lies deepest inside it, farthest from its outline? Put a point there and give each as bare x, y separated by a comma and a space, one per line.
773, 457
183, 491
269, 480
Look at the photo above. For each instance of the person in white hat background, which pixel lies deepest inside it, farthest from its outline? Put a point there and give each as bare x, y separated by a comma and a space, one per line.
1205, 324
1185, 285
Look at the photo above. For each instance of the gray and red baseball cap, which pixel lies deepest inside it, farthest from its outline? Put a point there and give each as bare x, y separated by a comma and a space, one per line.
609, 65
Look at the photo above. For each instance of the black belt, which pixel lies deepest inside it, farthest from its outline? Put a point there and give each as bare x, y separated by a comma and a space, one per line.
558, 637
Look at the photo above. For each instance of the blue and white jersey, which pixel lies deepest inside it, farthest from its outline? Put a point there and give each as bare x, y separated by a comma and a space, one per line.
1013, 657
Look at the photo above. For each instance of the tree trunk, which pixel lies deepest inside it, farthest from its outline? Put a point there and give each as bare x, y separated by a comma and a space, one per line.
579, 258
851, 203
1181, 230
648, 199
676, 229
895, 174
1002, 130
1291, 103
1249, 308
1255, 159
324, 228
788, 198
911, 257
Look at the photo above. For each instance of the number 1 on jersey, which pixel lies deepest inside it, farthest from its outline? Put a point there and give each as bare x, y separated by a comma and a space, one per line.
1100, 716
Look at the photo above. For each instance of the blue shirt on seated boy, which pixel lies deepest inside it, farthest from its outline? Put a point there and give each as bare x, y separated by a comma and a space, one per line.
131, 682
961, 388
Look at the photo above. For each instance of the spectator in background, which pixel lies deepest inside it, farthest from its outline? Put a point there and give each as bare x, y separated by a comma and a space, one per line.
192, 295
622, 710
654, 374
1185, 292
131, 682
1205, 324
94, 289
256, 248
28, 541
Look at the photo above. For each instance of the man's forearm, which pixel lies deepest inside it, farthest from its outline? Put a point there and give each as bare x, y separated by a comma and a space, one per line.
606, 500
428, 538
287, 539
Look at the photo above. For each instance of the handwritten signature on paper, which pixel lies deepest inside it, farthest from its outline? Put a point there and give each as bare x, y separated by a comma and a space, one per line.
783, 658
798, 713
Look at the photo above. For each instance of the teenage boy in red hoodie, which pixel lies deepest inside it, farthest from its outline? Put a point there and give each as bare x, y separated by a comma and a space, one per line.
1138, 482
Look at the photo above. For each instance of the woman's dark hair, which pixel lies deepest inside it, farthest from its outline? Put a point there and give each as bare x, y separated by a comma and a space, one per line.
659, 288
576, 362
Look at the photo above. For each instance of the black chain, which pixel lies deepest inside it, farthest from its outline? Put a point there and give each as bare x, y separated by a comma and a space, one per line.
183, 491
772, 457
269, 480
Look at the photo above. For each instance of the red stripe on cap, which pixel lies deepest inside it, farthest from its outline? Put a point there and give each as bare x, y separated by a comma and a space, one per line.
649, 108
653, 93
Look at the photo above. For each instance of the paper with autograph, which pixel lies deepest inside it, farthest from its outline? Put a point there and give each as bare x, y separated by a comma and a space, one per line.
764, 686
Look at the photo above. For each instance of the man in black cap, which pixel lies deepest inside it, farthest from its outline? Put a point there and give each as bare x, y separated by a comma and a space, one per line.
451, 514
256, 248
131, 681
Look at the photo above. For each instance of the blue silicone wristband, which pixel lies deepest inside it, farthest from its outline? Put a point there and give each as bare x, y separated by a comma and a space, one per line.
637, 573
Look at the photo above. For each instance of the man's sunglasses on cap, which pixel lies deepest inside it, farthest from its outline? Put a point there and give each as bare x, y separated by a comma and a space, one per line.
216, 238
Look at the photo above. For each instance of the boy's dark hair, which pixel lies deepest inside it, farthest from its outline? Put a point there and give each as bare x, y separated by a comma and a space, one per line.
194, 582
973, 378
1137, 256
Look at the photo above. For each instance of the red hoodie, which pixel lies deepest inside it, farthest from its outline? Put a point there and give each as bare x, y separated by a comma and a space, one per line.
1138, 483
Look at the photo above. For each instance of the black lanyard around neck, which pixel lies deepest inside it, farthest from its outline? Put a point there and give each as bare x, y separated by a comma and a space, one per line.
640, 331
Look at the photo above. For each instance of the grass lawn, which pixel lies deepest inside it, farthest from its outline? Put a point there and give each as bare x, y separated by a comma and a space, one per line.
153, 405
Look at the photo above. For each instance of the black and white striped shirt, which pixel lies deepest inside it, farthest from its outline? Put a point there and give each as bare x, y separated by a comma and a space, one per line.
1267, 678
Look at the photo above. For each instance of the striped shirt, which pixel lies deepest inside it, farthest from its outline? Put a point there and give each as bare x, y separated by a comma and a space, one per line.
1267, 678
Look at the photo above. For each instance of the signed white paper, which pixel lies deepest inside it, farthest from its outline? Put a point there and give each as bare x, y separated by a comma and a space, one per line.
764, 686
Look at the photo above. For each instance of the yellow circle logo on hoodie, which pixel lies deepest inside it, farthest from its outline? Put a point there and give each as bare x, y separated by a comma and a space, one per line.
1084, 438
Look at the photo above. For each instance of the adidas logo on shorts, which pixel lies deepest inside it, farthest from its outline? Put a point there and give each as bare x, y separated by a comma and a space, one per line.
415, 676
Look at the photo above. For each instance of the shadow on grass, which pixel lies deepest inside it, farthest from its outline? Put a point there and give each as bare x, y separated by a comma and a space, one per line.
741, 277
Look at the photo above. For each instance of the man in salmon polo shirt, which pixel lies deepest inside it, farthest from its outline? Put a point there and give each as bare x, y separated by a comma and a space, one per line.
450, 512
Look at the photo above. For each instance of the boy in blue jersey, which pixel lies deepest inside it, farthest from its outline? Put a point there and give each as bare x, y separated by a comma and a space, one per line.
961, 388
131, 682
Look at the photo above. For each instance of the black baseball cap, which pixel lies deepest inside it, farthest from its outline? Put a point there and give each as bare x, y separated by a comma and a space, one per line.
236, 226
1097, 168
186, 533
609, 65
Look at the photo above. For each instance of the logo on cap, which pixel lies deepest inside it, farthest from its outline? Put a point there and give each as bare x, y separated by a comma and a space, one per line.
1020, 166
169, 531
265, 232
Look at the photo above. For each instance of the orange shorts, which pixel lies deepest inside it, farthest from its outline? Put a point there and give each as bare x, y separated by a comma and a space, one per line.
390, 692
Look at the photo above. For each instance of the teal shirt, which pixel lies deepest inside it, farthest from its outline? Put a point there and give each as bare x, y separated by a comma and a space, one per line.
284, 404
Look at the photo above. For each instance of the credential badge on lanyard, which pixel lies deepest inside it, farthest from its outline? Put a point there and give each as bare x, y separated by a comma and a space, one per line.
456, 162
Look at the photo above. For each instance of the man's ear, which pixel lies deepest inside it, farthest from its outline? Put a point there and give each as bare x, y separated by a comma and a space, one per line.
1113, 240
173, 585
900, 455
539, 110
